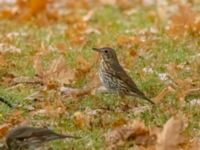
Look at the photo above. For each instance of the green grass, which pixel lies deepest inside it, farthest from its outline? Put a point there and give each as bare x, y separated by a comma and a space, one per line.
111, 22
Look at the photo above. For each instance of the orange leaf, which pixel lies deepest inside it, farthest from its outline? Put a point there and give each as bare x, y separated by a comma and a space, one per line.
36, 6
4, 128
132, 53
6, 14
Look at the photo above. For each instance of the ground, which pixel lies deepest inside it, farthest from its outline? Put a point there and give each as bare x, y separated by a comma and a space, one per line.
157, 45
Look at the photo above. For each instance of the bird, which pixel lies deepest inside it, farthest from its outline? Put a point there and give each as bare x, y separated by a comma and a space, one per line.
28, 138
114, 78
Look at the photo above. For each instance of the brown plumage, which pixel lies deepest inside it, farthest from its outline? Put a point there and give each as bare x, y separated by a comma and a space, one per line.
25, 138
114, 78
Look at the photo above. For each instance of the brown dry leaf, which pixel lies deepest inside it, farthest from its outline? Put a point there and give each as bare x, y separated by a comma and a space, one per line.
172, 69
161, 94
37, 65
77, 30
193, 145
21, 3
88, 89
151, 147
183, 21
4, 128
56, 72
14, 118
171, 136
7, 78
162, 9
119, 122
67, 77
123, 40
54, 111
81, 4
46, 109
6, 14
134, 131
92, 85
124, 4
81, 119
88, 16
36, 6
132, 53
56, 67
62, 48
83, 66
2, 61
183, 88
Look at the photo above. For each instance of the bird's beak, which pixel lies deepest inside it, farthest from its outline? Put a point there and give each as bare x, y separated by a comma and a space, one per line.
96, 49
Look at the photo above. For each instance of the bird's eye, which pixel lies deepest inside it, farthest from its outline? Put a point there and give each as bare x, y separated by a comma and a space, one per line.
106, 51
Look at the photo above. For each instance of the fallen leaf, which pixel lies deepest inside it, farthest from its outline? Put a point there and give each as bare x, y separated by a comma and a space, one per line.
57, 71
119, 122
2, 61
124, 4
37, 65
6, 14
134, 131
56, 66
36, 6
194, 145
4, 128
171, 136
132, 53
161, 94
15, 117
81, 119
83, 67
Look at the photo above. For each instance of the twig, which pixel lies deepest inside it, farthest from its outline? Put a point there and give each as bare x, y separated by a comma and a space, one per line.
6, 102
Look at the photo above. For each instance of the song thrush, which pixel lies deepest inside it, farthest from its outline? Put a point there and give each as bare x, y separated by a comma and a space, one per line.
114, 78
25, 138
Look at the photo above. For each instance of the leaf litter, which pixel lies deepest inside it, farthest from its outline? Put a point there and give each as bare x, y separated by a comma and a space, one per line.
57, 81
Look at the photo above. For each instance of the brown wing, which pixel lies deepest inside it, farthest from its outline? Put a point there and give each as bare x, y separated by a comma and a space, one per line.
51, 135
20, 132
122, 75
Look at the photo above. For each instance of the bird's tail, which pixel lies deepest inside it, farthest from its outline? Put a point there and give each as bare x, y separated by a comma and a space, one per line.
144, 97
6, 102
61, 136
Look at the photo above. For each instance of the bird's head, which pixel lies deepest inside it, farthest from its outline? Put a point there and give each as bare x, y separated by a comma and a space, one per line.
107, 54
